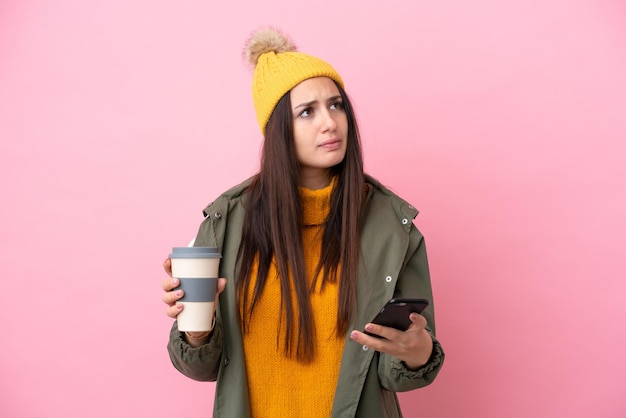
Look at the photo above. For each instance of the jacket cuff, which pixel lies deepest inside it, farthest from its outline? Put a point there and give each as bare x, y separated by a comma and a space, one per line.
428, 371
177, 338
199, 363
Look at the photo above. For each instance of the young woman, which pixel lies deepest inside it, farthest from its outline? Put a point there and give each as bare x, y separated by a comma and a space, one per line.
312, 249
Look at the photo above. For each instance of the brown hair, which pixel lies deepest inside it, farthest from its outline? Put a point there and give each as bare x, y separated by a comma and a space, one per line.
272, 230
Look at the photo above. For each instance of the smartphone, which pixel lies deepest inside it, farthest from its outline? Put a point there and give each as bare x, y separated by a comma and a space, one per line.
395, 313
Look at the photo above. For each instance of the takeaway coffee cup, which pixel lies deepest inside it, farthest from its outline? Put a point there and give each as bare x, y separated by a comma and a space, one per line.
197, 269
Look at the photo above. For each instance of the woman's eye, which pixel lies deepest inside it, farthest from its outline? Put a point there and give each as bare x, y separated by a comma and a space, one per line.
336, 106
305, 113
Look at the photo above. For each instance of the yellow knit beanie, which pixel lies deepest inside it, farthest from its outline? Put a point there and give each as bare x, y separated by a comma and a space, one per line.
279, 67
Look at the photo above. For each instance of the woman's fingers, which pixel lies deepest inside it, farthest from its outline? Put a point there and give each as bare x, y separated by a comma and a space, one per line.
221, 285
173, 310
412, 346
169, 284
167, 266
171, 295
418, 321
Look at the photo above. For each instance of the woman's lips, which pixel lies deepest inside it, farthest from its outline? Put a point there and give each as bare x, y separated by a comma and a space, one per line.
331, 144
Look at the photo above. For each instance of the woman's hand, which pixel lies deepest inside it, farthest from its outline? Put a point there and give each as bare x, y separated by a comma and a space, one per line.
171, 296
413, 346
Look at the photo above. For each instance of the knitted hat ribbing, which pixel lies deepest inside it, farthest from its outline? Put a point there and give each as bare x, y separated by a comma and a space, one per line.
279, 67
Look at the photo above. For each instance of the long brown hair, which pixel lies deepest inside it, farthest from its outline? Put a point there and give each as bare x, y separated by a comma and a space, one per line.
272, 230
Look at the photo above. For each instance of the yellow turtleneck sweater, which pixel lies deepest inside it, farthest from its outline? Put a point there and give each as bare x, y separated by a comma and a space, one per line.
280, 386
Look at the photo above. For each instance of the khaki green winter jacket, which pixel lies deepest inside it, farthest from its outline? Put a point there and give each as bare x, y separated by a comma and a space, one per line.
393, 264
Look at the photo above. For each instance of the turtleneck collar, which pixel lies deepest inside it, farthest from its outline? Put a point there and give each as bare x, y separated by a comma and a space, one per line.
316, 203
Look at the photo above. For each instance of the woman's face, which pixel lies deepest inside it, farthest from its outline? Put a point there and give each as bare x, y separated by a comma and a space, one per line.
320, 129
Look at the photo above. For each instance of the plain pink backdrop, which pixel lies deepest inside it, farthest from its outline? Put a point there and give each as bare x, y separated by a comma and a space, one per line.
503, 122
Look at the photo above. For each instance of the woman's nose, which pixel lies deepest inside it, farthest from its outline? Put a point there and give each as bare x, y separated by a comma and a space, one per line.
329, 123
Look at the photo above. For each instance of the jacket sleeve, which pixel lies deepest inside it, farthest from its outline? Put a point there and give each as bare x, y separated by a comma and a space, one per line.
201, 363
414, 280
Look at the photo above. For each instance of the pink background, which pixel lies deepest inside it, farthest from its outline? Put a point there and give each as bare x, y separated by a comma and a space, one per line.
504, 122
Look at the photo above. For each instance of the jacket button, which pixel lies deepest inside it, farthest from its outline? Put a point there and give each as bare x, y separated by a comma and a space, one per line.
365, 348
388, 279
404, 221
226, 361
217, 215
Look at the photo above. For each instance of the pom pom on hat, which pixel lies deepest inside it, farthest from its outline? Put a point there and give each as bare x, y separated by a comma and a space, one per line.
279, 67
267, 40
